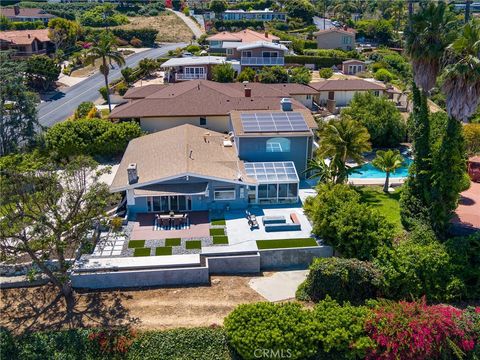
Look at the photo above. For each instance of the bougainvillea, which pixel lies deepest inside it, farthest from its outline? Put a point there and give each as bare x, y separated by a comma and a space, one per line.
414, 330
112, 342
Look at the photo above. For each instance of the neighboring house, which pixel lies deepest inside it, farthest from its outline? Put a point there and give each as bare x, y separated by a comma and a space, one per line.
336, 38
243, 36
256, 54
352, 67
254, 15
16, 13
26, 42
191, 68
339, 93
203, 103
188, 168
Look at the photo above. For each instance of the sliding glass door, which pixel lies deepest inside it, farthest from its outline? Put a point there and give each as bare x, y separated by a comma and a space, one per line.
169, 203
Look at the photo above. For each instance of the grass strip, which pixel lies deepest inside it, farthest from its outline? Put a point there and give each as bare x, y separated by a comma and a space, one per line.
217, 232
193, 244
173, 242
133, 244
142, 252
218, 222
285, 243
220, 240
163, 250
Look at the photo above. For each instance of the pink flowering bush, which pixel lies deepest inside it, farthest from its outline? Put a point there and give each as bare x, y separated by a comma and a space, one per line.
415, 330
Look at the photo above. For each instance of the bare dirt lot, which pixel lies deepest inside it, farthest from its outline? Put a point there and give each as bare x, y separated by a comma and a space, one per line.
40, 308
170, 27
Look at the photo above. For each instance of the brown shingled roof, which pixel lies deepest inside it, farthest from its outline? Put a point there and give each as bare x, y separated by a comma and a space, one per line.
203, 97
179, 151
24, 37
143, 91
347, 85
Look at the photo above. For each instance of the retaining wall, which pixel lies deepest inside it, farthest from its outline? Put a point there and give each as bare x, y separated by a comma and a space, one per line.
292, 257
141, 278
234, 264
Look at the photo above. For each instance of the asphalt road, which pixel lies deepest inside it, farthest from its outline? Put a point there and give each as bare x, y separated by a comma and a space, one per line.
63, 104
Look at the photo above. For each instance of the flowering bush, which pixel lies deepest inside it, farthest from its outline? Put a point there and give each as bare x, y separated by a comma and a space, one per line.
414, 330
112, 342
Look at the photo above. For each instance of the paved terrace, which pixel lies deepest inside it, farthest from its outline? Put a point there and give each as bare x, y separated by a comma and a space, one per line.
468, 211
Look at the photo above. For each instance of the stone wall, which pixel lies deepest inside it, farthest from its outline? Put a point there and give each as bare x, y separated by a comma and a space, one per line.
292, 257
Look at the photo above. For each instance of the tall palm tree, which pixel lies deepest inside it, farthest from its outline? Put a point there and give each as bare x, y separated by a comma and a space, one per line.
388, 161
430, 31
462, 74
343, 140
105, 47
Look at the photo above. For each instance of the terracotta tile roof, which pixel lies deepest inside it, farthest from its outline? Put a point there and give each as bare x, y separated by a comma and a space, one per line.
202, 98
25, 12
180, 151
24, 37
246, 35
347, 85
238, 127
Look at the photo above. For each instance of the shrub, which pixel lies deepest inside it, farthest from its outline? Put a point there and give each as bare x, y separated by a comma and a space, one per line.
275, 327
83, 109
93, 137
193, 48
384, 75
353, 228
340, 330
146, 35
223, 73
136, 42
122, 88
300, 75
273, 75
247, 74
342, 279
111, 342
121, 42
8, 348
104, 92
471, 134
147, 66
417, 331
95, 17
318, 61
381, 118
325, 73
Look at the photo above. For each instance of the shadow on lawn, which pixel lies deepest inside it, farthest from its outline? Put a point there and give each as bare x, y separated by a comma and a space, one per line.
374, 197
42, 308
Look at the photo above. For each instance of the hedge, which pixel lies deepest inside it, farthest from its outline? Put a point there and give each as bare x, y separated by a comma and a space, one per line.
318, 61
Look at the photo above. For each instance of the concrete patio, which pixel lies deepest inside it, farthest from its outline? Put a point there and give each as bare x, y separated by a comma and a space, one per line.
143, 228
239, 231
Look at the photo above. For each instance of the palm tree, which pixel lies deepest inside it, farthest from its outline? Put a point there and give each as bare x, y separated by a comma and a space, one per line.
343, 140
388, 161
318, 168
429, 33
462, 74
105, 48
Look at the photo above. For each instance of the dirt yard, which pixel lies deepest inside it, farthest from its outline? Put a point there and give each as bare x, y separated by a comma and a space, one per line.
40, 308
170, 27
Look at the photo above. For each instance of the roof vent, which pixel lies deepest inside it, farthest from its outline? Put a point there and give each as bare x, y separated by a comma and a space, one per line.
206, 136
132, 173
286, 104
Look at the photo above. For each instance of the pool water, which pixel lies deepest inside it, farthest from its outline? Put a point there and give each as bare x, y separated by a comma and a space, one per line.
368, 171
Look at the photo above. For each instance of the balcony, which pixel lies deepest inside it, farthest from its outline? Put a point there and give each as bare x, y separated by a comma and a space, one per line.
182, 77
262, 61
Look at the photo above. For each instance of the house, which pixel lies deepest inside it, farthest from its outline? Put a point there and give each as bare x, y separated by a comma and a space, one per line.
191, 68
353, 66
333, 93
188, 168
336, 38
204, 103
256, 54
243, 36
254, 15
26, 42
16, 13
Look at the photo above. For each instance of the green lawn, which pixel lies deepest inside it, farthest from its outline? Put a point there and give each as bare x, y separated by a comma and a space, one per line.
285, 243
193, 244
218, 222
220, 240
133, 244
142, 252
166, 250
216, 232
388, 204
173, 242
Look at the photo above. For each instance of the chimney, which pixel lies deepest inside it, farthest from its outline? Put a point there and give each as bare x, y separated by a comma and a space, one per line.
16, 9
286, 104
248, 92
132, 173
28, 36
345, 27
266, 33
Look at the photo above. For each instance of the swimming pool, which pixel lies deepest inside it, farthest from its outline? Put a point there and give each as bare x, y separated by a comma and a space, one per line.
368, 171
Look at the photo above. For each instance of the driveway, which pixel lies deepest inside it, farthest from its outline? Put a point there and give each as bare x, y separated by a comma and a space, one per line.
279, 286
190, 23
64, 103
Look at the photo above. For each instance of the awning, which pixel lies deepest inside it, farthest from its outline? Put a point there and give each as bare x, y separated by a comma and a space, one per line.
172, 189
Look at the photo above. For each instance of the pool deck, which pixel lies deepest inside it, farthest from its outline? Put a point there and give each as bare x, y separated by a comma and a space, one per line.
376, 181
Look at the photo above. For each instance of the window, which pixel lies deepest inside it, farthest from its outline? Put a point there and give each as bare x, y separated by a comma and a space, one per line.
278, 145
229, 51
270, 54
309, 97
246, 54
376, 93
346, 40
203, 121
194, 70
224, 194
331, 95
